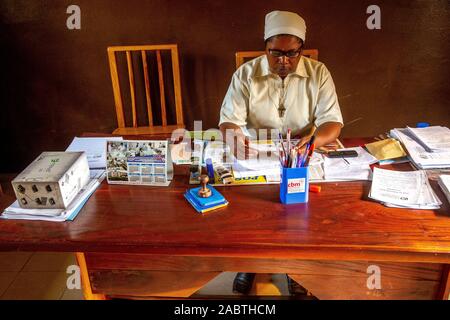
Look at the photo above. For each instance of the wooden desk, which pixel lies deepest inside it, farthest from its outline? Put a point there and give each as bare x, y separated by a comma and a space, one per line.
149, 242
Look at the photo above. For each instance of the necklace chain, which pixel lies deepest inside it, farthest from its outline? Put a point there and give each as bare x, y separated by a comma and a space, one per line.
281, 107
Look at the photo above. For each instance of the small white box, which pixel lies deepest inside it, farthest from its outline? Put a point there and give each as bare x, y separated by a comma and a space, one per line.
52, 180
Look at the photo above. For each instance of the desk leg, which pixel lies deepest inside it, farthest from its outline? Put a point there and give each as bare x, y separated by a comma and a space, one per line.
444, 290
85, 282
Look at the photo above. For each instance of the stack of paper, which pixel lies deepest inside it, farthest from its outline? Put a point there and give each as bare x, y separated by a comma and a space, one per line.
14, 211
344, 169
266, 164
95, 149
417, 149
257, 167
434, 139
403, 189
444, 183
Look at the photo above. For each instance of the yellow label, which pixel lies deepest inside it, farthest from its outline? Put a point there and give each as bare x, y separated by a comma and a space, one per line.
250, 180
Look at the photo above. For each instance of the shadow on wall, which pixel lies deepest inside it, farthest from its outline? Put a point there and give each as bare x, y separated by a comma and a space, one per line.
201, 95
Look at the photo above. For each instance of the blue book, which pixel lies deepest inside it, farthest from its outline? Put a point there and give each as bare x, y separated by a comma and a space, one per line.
201, 204
215, 198
203, 209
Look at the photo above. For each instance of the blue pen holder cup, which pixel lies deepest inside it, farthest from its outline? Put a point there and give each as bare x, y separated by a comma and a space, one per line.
294, 185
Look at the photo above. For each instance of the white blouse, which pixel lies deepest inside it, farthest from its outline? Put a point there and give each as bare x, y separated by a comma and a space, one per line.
254, 96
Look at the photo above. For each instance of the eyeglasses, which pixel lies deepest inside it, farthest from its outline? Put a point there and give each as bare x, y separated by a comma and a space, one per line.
290, 54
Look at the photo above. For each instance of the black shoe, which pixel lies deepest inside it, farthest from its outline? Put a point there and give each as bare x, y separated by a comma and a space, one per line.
243, 282
295, 289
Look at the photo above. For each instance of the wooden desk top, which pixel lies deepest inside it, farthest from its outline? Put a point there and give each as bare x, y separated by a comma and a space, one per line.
338, 223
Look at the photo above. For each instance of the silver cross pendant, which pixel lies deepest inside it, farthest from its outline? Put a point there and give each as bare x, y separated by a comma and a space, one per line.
281, 110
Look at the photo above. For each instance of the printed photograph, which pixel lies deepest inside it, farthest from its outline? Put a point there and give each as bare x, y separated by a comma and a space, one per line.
128, 160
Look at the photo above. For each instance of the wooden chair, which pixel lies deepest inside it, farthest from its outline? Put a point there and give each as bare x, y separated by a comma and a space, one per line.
151, 129
244, 56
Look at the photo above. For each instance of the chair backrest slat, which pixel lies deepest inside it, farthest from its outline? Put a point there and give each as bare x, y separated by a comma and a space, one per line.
132, 91
177, 85
150, 79
161, 88
147, 88
116, 89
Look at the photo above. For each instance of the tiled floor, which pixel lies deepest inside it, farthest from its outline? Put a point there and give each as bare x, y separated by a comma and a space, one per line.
36, 275
43, 276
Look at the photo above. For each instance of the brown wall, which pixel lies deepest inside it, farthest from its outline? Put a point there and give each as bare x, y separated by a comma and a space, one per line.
55, 82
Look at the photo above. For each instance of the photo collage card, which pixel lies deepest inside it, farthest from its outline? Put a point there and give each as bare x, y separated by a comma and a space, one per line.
137, 162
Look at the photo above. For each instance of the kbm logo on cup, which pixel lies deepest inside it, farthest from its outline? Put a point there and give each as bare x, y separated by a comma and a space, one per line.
296, 185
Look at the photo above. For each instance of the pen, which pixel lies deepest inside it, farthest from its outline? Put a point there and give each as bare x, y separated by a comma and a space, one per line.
281, 141
281, 160
210, 169
311, 141
289, 139
305, 155
310, 153
282, 157
308, 146
292, 158
298, 159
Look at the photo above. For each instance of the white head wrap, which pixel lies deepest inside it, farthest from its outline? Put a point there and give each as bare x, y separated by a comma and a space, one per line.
284, 22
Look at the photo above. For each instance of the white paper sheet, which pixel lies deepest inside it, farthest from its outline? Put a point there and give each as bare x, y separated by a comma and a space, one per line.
357, 168
363, 158
95, 149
